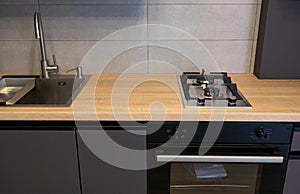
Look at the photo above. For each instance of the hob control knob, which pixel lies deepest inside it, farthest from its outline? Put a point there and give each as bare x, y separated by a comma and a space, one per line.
207, 92
201, 101
232, 100
261, 133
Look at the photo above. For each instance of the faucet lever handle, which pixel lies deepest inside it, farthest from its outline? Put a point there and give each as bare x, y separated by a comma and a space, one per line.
54, 60
53, 68
78, 70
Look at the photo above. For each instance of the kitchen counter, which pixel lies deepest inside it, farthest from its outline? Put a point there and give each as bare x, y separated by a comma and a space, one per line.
157, 97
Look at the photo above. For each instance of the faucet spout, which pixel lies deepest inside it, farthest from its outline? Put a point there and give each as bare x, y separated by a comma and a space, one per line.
39, 34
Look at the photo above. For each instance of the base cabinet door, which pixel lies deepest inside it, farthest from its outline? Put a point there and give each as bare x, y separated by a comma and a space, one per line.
38, 162
292, 185
99, 176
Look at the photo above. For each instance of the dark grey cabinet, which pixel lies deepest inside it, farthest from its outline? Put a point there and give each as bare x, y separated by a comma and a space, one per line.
38, 160
278, 45
99, 176
292, 177
292, 185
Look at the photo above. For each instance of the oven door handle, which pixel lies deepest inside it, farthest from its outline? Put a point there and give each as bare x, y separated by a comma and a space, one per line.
220, 159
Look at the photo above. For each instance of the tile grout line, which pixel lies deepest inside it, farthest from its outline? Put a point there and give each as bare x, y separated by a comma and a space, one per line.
39, 7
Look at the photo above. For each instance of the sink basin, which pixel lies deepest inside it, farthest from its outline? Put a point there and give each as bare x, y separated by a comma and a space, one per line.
59, 90
13, 89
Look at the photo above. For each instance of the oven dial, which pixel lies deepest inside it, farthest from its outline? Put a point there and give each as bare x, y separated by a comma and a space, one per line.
261, 133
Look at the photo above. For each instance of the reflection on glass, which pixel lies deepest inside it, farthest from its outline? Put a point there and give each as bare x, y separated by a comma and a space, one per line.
210, 178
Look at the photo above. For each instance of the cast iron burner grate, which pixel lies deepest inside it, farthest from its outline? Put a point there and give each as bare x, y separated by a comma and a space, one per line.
214, 90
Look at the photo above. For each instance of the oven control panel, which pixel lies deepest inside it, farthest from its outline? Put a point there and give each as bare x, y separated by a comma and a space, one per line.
229, 132
261, 133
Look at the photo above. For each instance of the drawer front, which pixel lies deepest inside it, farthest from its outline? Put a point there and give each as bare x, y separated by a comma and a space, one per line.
100, 177
292, 185
296, 140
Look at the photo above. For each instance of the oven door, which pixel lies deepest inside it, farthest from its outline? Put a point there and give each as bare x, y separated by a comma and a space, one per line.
224, 169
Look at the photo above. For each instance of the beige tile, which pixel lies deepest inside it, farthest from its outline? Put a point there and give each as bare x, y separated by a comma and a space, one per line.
19, 57
73, 2
202, 1
69, 54
253, 57
91, 22
23, 57
168, 68
231, 56
116, 57
178, 56
255, 37
133, 60
257, 21
17, 2
16, 22
205, 21
72, 28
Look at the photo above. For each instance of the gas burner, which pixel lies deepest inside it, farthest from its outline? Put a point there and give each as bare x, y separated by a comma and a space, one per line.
214, 90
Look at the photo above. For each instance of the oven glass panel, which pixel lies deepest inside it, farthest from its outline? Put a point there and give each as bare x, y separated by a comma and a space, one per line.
213, 178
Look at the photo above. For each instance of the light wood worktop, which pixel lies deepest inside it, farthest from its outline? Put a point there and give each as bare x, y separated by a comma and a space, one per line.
157, 97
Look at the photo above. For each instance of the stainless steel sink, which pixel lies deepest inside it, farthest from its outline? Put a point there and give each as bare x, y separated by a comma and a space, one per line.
13, 89
59, 90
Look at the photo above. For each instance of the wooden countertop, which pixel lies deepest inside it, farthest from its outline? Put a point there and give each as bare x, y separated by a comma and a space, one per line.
157, 97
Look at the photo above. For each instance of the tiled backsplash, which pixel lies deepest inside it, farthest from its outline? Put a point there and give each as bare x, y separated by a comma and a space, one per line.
227, 28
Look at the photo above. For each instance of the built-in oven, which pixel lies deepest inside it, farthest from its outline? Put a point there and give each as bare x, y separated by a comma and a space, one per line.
246, 158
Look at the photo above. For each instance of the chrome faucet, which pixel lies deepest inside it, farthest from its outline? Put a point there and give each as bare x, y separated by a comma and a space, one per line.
39, 34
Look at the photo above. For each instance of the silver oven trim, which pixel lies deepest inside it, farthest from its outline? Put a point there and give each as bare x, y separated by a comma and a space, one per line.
220, 159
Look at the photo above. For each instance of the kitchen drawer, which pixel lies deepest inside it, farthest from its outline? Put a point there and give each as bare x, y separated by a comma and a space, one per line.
101, 177
292, 185
296, 140
38, 161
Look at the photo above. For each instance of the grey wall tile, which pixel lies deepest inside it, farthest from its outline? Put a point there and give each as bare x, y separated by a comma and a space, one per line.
257, 20
86, 22
227, 28
253, 55
133, 60
231, 56
16, 22
19, 57
70, 54
117, 57
163, 67
170, 56
23, 57
255, 36
105, 2
17, 2
202, 1
205, 21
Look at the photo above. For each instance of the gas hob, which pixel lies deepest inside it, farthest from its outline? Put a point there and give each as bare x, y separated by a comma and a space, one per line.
214, 90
